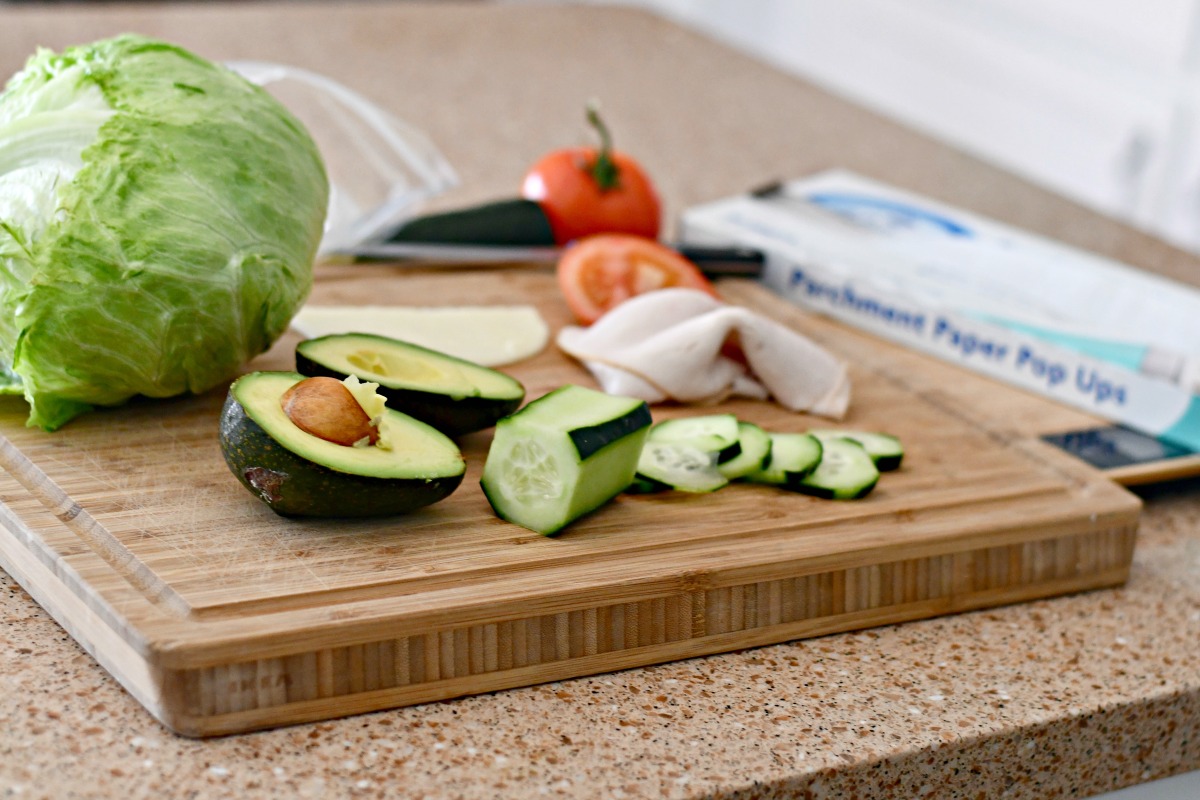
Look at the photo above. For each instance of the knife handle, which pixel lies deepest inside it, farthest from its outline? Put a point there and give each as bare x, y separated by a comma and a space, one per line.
721, 261
502, 223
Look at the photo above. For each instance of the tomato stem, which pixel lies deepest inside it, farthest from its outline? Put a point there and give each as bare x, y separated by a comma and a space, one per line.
603, 170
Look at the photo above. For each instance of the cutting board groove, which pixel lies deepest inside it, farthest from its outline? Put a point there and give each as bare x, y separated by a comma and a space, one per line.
221, 617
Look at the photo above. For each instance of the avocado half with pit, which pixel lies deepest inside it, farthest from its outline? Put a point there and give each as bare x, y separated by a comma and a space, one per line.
298, 474
453, 395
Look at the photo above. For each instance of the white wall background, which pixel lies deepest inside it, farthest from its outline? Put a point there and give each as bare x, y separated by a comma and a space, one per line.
1098, 100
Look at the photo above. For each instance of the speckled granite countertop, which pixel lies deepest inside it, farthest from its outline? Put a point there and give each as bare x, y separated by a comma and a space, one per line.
1059, 698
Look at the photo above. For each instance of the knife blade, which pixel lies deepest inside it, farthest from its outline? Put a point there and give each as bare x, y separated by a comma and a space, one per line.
712, 261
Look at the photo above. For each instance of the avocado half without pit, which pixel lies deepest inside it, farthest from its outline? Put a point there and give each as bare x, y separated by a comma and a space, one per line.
453, 395
310, 451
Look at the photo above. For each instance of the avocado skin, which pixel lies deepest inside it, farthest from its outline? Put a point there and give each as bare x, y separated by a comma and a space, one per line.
293, 486
450, 416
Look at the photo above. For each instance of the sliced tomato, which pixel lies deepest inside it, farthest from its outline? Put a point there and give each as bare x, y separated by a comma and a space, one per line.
600, 272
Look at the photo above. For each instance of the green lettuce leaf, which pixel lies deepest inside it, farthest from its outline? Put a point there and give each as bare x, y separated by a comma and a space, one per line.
159, 216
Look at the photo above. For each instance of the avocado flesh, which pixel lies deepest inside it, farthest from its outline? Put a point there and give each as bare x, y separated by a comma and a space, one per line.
452, 395
298, 474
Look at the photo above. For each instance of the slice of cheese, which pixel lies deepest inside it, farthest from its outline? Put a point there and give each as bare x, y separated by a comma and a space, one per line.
487, 335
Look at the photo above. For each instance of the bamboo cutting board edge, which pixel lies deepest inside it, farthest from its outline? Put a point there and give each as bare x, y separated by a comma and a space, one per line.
582, 666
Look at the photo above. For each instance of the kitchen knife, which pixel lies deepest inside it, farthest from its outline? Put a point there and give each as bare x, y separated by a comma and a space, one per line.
712, 261
511, 231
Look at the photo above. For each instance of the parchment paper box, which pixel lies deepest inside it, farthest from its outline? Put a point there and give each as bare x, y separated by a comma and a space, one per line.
1093, 333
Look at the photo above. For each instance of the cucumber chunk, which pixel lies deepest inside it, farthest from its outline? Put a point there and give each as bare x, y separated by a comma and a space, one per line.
793, 457
712, 433
671, 465
846, 472
563, 455
885, 450
754, 445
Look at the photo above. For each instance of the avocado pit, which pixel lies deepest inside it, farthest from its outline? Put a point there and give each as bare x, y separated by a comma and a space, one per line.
325, 408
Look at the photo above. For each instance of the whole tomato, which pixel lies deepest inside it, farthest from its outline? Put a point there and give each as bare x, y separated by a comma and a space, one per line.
587, 190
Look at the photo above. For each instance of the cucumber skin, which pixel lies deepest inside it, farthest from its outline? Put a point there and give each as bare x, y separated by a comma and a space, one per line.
643, 485
793, 481
827, 494
453, 417
889, 463
589, 440
293, 486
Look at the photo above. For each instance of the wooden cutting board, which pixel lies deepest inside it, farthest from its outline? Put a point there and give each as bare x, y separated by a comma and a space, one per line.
220, 616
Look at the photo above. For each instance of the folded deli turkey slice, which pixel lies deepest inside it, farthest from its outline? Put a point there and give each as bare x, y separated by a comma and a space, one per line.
666, 345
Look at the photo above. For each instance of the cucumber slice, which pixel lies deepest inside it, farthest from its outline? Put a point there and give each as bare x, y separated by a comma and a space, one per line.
846, 472
563, 455
793, 457
671, 465
755, 448
712, 433
885, 450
